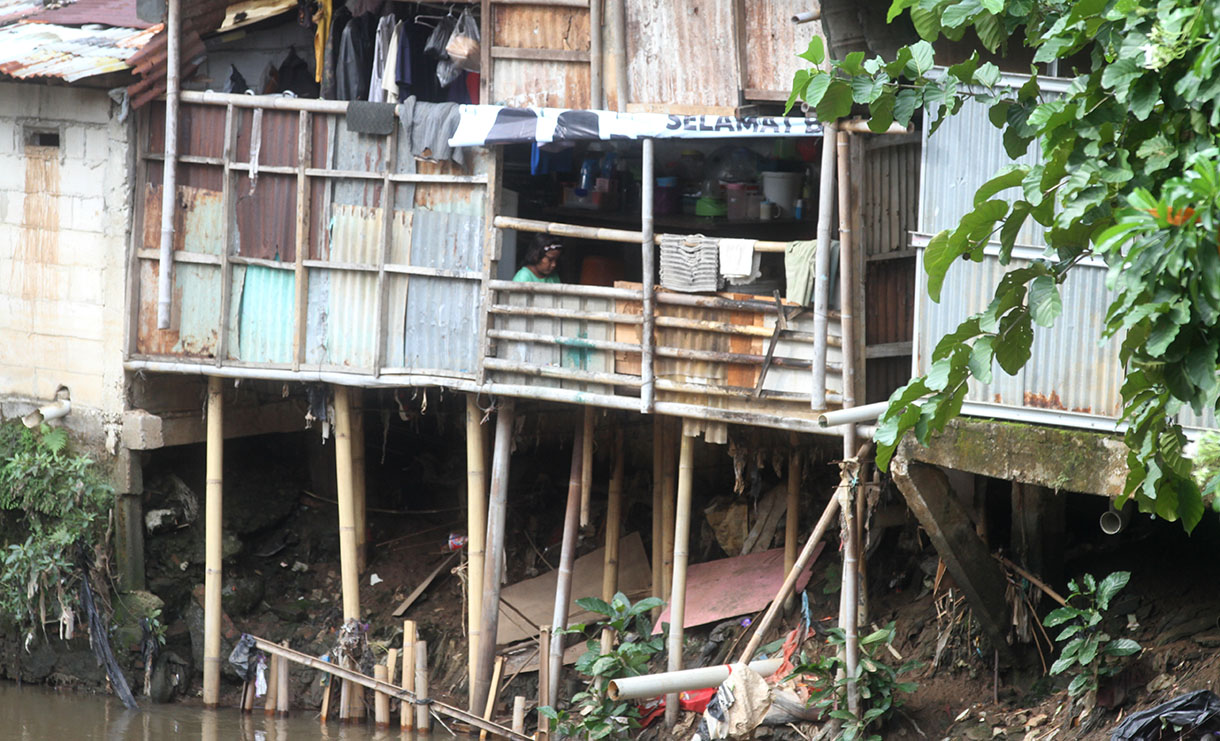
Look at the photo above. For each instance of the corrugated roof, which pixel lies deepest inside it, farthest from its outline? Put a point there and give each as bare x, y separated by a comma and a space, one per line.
14, 10
118, 13
29, 49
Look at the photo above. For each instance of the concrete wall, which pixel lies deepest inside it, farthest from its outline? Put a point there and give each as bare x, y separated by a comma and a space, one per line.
65, 212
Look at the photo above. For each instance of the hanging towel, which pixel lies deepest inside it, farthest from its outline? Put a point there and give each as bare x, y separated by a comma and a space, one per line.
738, 261
429, 127
689, 264
798, 269
364, 117
389, 75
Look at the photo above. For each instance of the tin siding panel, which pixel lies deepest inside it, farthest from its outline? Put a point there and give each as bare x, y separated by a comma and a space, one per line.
773, 42
683, 53
519, 82
268, 303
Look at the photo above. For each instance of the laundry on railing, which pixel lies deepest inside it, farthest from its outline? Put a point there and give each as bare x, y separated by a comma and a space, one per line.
739, 263
798, 269
689, 264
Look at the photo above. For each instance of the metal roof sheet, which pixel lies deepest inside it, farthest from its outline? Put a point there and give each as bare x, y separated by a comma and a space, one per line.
119, 13
29, 49
14, 10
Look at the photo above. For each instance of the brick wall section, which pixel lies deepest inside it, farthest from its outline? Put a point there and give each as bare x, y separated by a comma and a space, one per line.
64, 218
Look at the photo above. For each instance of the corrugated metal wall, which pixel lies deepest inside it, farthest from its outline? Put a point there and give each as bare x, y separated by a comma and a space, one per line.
540, 82
772, 44
1070, 379
683, 54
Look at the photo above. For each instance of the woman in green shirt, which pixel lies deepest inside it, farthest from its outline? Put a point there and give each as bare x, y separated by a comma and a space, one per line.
541, 260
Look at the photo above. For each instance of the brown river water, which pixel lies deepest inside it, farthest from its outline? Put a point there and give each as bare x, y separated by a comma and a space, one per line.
37, 714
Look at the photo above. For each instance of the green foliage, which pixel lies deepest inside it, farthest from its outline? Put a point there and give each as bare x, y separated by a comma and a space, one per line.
1207, 464
593, 714
1128, 170
877, 683
1088, 651
58, 500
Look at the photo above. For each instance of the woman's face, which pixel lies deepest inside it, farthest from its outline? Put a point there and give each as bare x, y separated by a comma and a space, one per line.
548, 263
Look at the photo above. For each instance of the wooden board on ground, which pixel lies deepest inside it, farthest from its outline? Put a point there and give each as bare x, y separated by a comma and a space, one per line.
525, 659
535, 598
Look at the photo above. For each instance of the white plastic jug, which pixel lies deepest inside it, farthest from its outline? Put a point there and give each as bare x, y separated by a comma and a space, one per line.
782, 188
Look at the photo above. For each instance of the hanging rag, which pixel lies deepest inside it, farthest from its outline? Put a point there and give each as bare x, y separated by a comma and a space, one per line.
364, 117
322, 20
689, 264
429, 127
798, 269
739, 263
381, 52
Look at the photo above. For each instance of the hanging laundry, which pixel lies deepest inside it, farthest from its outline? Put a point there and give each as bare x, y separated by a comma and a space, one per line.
321, 19
389, 79
429, 126
330, 59
381, 44
353, 69
798, 269
739, 263
689, 264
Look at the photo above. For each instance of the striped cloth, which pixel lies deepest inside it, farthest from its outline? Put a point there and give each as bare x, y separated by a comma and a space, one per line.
690, 264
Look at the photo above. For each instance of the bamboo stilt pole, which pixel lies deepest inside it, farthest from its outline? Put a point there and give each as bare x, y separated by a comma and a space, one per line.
497, 506
214, 532
281, 690
677, 599
851, 578
614, 517
490, 708
273, 685
658, 528
326, 692
669, 484
792, 518
476, 536
567, 556
544, 680
850, 602
586, 467
345, 702
381, 713
423, 718
519, 714
391, 665
347, 505
359, 480
247, 698
407, 712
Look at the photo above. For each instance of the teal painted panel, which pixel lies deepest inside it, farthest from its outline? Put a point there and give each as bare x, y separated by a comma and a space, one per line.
197, 296
268, 299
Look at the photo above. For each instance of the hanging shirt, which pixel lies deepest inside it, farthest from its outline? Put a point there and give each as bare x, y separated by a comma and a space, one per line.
389, 75
381, 44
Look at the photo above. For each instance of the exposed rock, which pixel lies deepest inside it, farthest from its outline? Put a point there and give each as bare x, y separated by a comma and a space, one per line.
38, 664
240, 595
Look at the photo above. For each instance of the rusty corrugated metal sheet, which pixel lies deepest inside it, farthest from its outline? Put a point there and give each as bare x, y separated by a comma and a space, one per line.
519, 82
348, 299
45, 50
121, 13
683, 53
14, 10
268, 301
773, 41
889, 304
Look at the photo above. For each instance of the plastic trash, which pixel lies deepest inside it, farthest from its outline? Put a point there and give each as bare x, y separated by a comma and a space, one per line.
1191, 713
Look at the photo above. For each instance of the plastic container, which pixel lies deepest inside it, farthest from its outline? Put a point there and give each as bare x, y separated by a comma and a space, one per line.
667, 198
738, 197
783, 188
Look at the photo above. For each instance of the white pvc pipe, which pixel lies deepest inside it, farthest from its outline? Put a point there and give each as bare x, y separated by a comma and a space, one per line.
169, 171
851, 415
807, 16
654, 685
54, 410
821, 268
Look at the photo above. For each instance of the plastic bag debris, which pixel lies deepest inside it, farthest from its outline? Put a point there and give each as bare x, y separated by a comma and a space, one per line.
1192, 713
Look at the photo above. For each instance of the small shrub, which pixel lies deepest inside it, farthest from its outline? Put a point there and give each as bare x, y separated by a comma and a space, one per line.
1088, 651
593, 715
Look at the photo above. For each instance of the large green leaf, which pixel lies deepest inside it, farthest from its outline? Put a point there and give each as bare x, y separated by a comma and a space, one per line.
1012, 349
1110, 586
836, 102
982, 355
1045, 305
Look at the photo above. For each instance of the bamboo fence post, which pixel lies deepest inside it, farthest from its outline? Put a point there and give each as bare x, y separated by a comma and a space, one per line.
345, 702
327, 686
273, 685
519, 714
407, 711
614, 516
423, 717
476, 535
281, 692
567, 556
213, 530
658, 528
669, 482
247, 697
677, 600
544, 680
359, 480
381, 712
497, 506
586, 467
792, 518
491, 696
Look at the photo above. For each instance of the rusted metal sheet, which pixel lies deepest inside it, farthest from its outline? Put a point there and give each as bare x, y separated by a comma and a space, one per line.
33, 274
343, 303
266, 212
198, 220
30, 50
683, 53
14, 10
82, 12
889, 305
536, 82
772, 43
268, 301
359, 153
